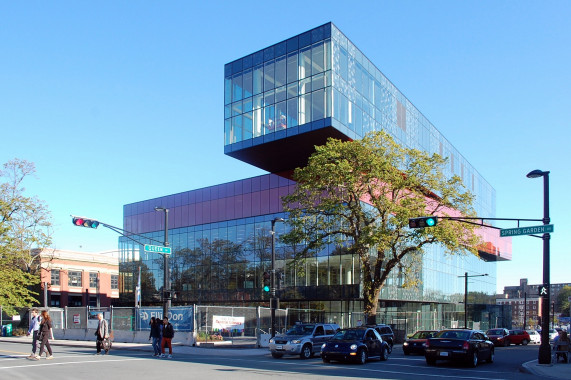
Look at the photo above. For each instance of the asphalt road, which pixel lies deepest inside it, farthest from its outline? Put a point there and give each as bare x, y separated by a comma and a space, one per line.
80, 363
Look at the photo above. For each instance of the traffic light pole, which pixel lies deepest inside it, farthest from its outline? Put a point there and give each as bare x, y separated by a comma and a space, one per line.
273, 299
166, 282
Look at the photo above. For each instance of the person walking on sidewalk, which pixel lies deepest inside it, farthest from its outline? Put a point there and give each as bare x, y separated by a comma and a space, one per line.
34, 331
45, 333
155, 335
168, 334
102, 333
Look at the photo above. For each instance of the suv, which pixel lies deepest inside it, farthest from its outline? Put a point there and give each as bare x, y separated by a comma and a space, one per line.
303, 339
387, 334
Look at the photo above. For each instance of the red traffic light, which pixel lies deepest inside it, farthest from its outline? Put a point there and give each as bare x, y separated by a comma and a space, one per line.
84, 222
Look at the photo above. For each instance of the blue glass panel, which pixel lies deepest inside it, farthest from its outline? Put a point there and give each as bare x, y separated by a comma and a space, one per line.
280, 94
292, 44
236, 66
247, 105
236, 108
248, 125
247, 83
317, 58
305, 62
280, 49
227, 90
269, 73
258, 58
269, 119
281, 116
258, 80
292, 113
317, 34
247, 61
304, 39
292, 67
237, 87
280, 71
268, 53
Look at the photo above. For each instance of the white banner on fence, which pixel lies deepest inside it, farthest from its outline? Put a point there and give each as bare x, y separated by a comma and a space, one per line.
223, 323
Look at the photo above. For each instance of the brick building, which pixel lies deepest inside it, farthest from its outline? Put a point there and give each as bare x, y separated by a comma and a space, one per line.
79, 279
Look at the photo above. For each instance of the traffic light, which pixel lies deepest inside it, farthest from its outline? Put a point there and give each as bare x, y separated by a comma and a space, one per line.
84, 222
267, 281
425, 221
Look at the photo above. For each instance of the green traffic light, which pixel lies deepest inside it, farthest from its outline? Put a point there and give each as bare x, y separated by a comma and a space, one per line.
266, 288
430, 222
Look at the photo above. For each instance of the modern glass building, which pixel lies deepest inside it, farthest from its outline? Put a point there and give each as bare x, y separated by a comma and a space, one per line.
279, 103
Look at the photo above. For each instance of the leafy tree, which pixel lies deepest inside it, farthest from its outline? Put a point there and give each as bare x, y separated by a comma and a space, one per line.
25, 229
360, 194
562, 302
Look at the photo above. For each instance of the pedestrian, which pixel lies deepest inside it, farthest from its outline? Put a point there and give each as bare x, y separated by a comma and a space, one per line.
45, 333
155, 335
34, 331
102, 333
168, 334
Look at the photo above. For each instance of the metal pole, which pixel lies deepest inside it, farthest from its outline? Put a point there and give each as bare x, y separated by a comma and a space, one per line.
273, 300
167, 282
545, 349
524, 308
273, 281
466, 300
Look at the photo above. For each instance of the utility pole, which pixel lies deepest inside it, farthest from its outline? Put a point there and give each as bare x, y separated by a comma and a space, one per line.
466, 295
273, 299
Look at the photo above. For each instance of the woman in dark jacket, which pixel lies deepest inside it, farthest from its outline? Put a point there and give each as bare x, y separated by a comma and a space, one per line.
45, 334
155, 335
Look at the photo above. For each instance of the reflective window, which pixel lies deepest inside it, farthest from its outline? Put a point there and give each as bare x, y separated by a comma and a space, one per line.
280, 72
269, 72
305, 63
237, 87
74, 278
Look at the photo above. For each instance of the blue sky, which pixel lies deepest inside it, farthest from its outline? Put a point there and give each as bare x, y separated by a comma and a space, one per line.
117, 102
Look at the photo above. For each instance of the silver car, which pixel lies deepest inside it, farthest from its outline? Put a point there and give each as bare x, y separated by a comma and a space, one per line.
302, 339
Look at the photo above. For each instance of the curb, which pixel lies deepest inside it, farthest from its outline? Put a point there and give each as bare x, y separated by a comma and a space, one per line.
527, 368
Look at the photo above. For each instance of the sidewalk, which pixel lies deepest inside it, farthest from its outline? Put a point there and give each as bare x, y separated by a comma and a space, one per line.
178, 349
559, 370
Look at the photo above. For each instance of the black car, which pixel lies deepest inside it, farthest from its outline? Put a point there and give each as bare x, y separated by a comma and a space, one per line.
417, 341
464, 345
387, 334
358, 344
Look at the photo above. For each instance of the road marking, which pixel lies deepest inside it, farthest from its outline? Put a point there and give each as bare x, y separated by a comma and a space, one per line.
68, 363
385, 371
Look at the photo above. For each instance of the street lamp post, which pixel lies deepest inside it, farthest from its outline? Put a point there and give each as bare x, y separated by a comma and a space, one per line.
273, 299
466, 295
544, 356
166, 282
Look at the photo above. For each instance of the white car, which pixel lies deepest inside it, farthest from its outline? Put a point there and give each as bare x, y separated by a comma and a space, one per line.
552, 335
534, 336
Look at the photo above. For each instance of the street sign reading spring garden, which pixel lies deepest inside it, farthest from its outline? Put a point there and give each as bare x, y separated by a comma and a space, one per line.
158, 249
544, 229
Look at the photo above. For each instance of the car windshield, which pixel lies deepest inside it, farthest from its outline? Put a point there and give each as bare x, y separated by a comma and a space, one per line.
421, 335
531, 332
453, 334
495, 332
300, 330
349, 335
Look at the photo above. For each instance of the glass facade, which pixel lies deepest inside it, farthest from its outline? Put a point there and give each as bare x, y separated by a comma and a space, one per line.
220, 235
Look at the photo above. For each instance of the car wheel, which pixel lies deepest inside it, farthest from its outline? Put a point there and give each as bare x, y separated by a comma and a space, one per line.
384, 354
430, 361
491, 357
406, 352
474, 362
506, 343
390, 348
524, 342
325, 360
306, 352
276, 355
362, 356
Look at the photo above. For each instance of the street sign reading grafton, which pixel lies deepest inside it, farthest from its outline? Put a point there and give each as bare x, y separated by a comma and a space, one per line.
544, 229
158, 249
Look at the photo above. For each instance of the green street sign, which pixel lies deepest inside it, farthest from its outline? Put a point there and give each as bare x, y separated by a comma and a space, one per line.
158, 249
544, 229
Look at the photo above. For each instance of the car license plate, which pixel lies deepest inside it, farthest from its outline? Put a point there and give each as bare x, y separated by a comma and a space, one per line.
443, 353
279, 347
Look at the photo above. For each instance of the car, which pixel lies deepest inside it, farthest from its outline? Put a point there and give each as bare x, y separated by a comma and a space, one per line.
386, 332
416, 342
464, 345
500, 337
304, 339
355, 344
534, 336
518, 337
